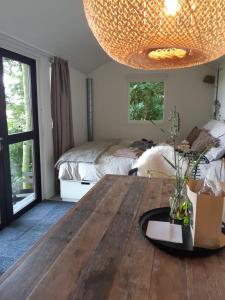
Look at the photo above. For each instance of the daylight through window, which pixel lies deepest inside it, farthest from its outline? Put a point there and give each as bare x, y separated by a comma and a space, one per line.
146, 100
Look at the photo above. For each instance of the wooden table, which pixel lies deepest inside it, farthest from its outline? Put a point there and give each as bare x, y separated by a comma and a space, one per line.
97, 252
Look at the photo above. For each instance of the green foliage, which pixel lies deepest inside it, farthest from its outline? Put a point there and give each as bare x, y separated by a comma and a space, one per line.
16, 117
146, 101
14, 92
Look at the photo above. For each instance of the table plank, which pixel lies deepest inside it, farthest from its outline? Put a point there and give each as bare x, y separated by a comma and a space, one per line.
168, 279
132, 279
206, 277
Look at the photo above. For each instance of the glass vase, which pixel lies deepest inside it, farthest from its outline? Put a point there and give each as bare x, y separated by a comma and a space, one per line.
180, 207
175, 203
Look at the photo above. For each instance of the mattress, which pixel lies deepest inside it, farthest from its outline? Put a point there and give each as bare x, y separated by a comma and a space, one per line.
107, 163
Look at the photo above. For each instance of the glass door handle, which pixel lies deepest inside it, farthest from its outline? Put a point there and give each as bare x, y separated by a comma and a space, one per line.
1, 144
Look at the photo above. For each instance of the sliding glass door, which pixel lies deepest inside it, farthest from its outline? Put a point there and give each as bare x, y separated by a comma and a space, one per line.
19, 139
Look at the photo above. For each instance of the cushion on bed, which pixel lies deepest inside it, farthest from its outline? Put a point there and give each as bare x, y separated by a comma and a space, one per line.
215, 153
217, 131
193, 135
210, 125
203, 141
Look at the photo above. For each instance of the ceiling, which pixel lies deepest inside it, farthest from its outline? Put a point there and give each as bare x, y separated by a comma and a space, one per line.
58, 27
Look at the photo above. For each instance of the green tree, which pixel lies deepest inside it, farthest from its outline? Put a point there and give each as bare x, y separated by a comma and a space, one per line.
26, 161
146, 100
17, 92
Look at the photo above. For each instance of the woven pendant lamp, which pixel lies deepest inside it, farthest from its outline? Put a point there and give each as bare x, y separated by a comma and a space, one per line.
163, 34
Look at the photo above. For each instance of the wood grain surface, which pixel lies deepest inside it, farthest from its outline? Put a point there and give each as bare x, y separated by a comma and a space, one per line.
98, 252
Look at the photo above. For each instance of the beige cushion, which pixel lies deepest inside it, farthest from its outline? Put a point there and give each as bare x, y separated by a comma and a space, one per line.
203, 141
192, 136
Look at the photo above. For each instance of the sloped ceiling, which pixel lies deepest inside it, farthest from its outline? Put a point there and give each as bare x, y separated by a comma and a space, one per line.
55, 26
58, 27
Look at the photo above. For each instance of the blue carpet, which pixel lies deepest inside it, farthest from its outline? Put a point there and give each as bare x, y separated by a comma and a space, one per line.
23, 233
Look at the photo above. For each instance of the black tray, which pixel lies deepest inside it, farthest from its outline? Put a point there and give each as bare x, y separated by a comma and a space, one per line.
184, 249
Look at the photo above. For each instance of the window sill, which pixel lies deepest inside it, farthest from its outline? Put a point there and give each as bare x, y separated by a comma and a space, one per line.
145, 122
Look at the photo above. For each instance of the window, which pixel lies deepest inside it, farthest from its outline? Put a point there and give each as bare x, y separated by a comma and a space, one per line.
19, 136
146, 100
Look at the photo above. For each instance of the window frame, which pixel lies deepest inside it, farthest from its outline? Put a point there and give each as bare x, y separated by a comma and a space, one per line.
145, 78
6, 203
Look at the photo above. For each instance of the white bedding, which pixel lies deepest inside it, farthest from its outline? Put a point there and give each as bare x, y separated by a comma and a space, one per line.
215, 169
87, 153
151, 159
107, 163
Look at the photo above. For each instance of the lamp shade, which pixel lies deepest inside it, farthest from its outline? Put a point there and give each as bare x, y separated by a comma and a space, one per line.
163, 34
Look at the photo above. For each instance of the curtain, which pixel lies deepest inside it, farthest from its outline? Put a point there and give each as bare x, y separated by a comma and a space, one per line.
61, 110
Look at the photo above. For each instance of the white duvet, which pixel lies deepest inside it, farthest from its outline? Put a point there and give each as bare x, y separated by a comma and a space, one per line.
107, 163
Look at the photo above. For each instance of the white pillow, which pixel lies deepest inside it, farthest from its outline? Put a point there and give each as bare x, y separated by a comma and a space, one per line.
212, 124
217, 130
215, 153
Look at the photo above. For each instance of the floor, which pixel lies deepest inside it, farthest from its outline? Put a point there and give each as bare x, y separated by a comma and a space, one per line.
23, 233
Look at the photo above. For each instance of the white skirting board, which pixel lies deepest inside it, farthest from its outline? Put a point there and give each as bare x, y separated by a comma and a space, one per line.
73, 191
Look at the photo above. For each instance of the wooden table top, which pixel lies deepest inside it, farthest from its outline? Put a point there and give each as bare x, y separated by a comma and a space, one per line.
98, 252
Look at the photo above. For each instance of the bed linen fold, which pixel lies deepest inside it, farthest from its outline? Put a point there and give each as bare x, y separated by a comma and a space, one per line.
106, 164
87, 153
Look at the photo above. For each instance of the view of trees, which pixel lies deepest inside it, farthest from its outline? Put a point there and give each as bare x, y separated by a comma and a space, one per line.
18, 109
146, 101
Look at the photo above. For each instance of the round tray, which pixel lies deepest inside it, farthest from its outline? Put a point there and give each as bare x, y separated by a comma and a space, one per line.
184, 249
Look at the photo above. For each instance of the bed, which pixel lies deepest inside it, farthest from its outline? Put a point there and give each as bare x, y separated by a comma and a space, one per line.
81, 167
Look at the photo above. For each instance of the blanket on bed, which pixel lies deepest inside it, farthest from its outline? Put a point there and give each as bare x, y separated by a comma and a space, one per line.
87, 153
152, 163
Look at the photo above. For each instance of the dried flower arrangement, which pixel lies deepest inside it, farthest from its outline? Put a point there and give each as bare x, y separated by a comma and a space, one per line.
179, 202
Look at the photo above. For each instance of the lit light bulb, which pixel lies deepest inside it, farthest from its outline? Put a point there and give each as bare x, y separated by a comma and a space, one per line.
172, 7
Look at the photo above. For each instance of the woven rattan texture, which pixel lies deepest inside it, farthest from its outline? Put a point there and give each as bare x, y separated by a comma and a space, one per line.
129, 29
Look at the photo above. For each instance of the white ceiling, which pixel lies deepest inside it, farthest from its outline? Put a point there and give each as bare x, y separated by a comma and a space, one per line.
58, 27
55, 26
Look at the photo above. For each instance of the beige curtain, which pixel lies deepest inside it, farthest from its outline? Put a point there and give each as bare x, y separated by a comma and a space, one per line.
61, 110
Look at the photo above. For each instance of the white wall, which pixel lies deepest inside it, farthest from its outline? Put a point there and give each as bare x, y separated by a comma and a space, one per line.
79, 107
221, 89
184, 88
